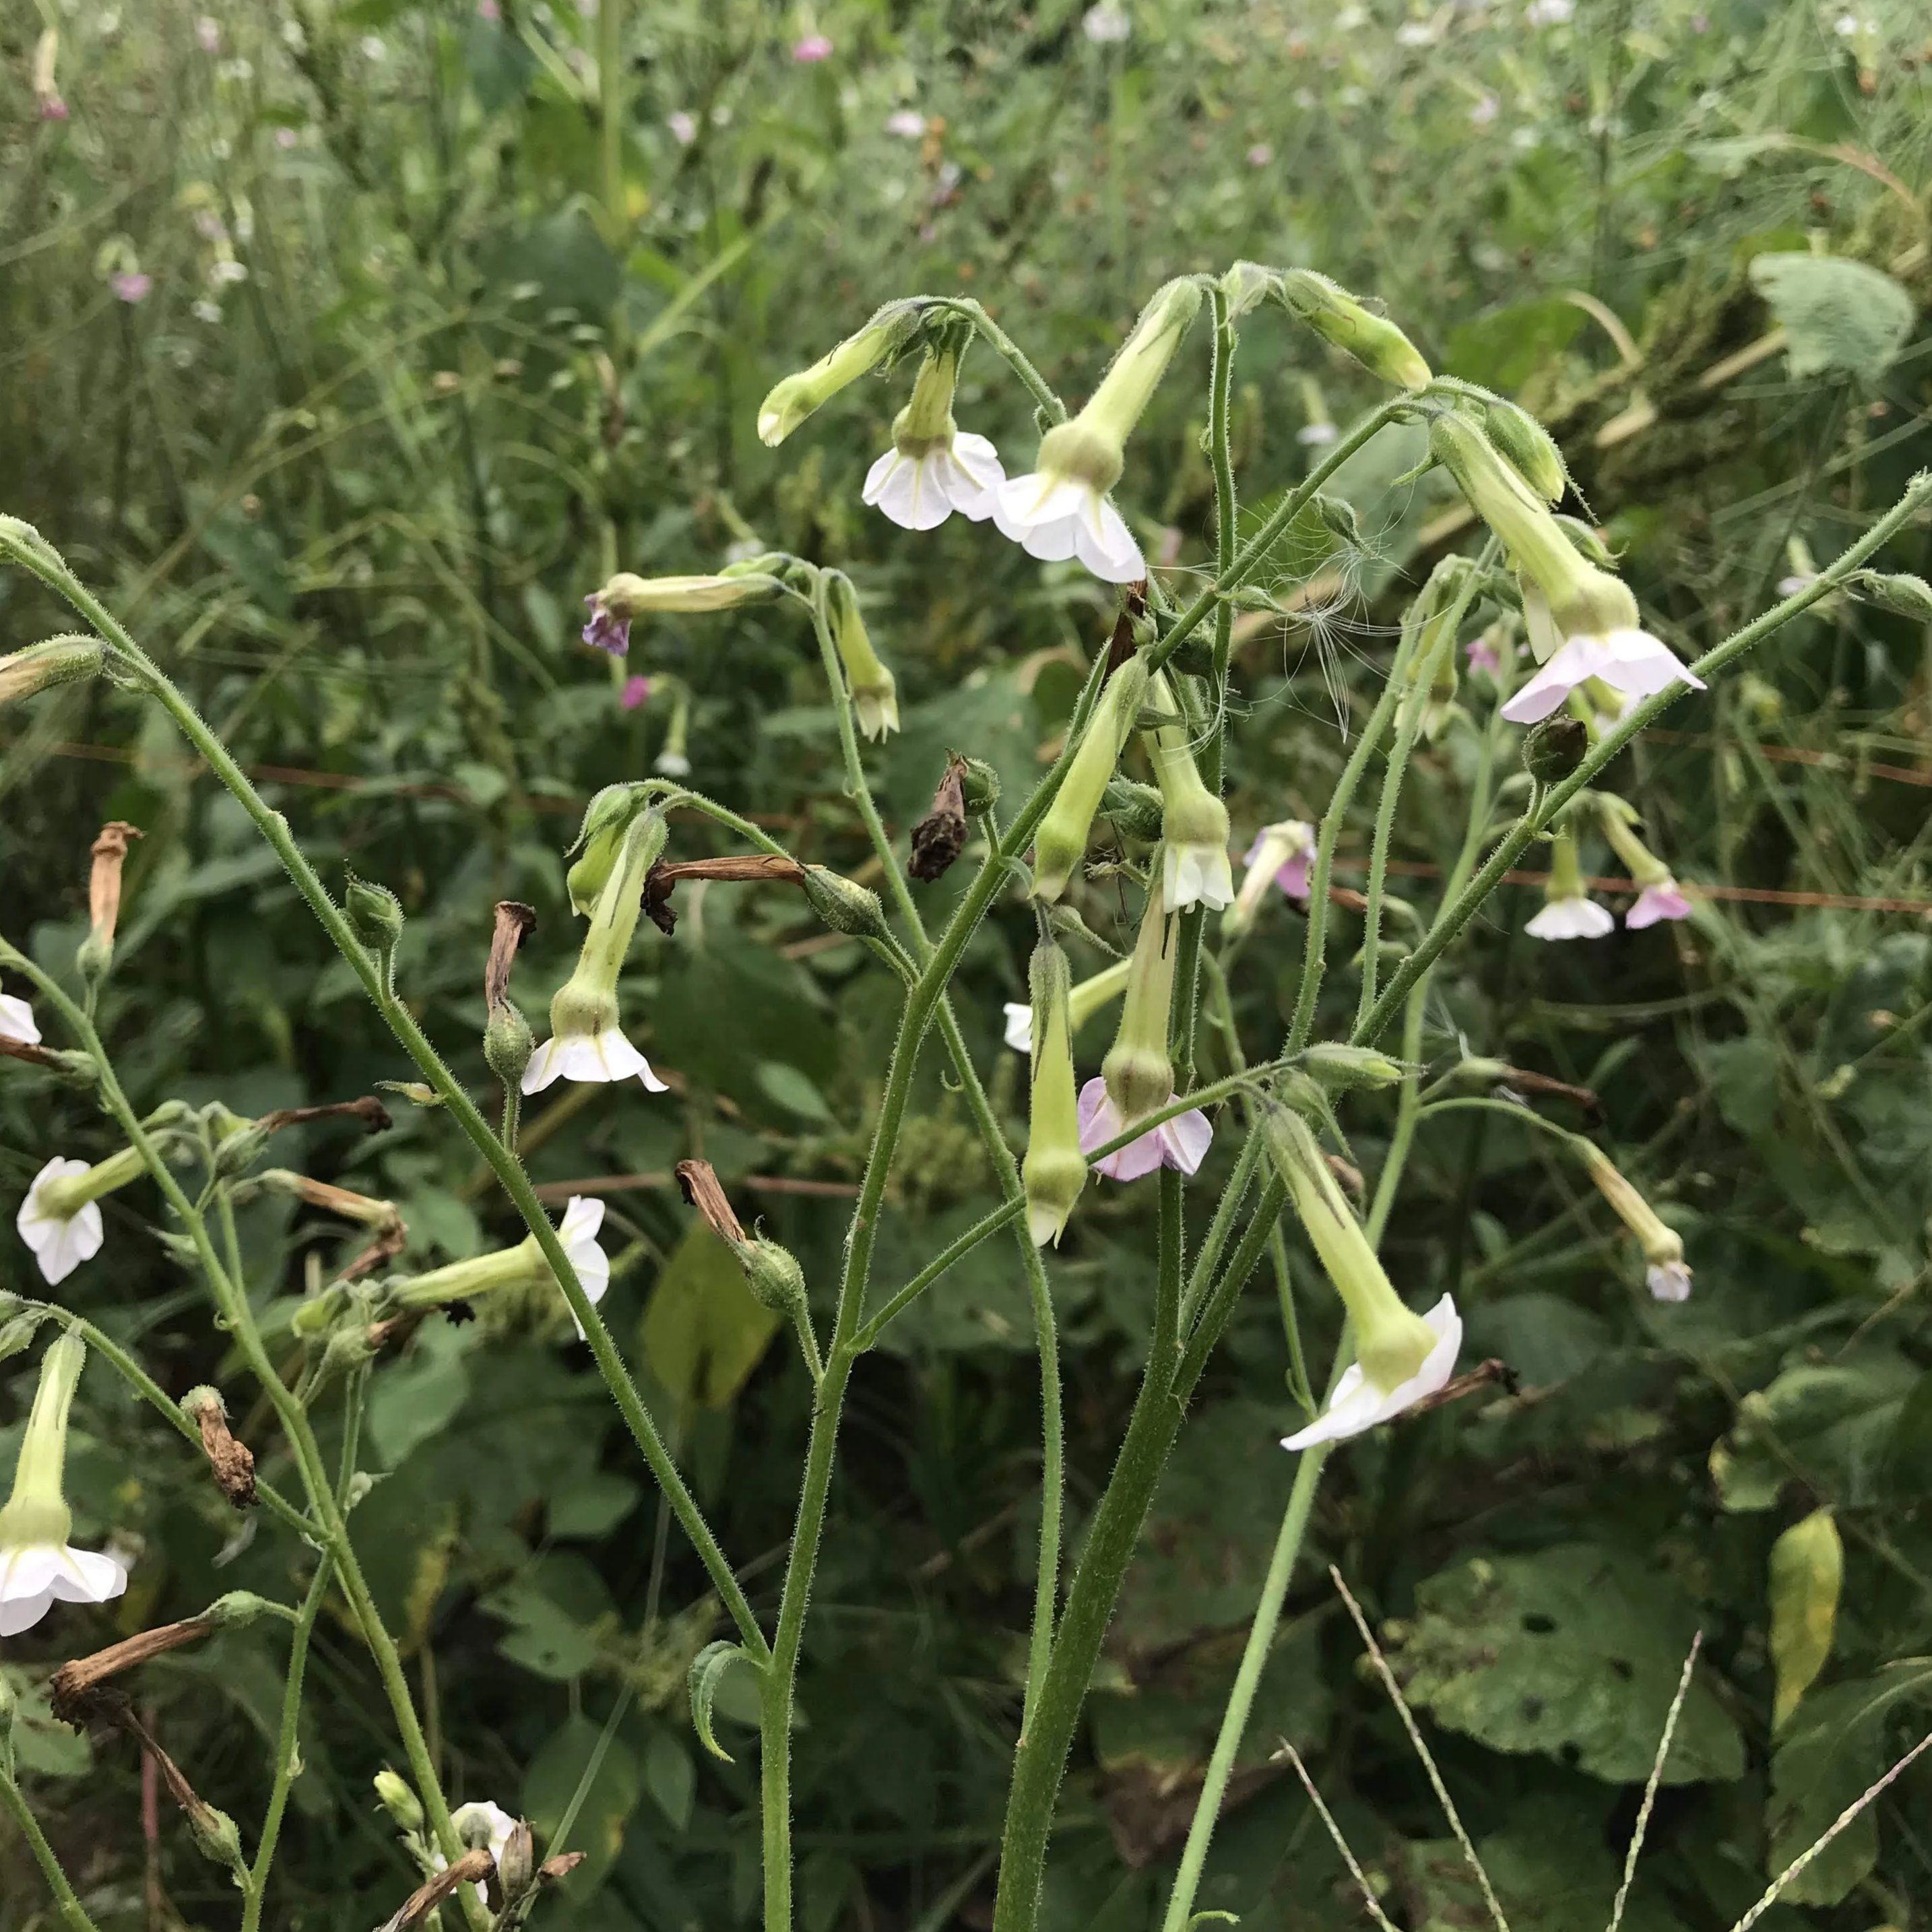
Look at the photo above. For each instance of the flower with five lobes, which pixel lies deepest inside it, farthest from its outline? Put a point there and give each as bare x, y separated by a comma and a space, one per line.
1400, 1357
1659, 896
1059, 509
1582, 622
1281, 855
885, 336
1055, 1170
875, 694
934, 467
522, 1266
1667, 1274
1194, 823
60, 1220
1083, 1003
38, 1567
1137, 1076
585, 1042
1061, 843
1568, 911
625, 597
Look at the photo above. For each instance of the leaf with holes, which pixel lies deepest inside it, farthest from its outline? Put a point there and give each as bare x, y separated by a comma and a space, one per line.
1574, 1652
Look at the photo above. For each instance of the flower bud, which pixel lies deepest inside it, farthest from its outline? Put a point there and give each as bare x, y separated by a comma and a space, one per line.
979, 783
889, 332
1246, 285
1587, 544
1341, 1069
1054, 1171
843, 905
1091, 446
772, 1274
1061, 843
234, 1609
1340, 318
874, 693
1528, 446
1138, 1071
508, 1043
375, 915
59, 660
624, 597
1666, 1274
1900, 591
1554, 749
1135, 809
599, 839
216, 1836
516, 1865
399, 1801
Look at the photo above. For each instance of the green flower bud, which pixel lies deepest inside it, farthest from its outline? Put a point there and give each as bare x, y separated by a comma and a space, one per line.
1552, 750
979, 783
375, 914
843, 905
216, 1836
1341, 319
885, 337
237, 1608
772, 1274
1135, 809
875, 692
508, 1043
1528, 445
399, 1801
1138, 1071
61, 660
1061, 843
1340, 1069
1054, 1171
1899, 592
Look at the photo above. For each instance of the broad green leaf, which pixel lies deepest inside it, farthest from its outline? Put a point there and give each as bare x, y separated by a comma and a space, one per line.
671, 1778
411, 1400
1833, 1423
1575, 1652
1840, 315
703, 1332
1808, 1568
1840, 1744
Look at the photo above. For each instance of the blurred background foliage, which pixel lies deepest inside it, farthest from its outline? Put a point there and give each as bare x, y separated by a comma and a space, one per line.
347, 344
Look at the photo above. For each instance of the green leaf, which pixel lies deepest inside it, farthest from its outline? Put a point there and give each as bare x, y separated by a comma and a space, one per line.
415, 1398
707, 1668
1835, 1423
671, 1778
1832, 1754
550, 1784
1808, 1568
703, 1331
1839, 314
1574, 1652
793, 1091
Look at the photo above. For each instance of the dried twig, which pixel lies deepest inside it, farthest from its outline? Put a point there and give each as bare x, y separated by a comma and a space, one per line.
472, 1868
1656, 1778
1327, 1818
742, 867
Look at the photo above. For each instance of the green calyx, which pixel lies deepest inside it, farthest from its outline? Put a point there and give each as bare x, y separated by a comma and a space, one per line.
1138, 1071
1061, 843
65, 1197
37, 1511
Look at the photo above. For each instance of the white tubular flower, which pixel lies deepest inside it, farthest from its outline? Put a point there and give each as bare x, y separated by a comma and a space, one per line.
60, 1220
1281, 855
1568, 911
1667, 1274
479, 1823
1059, 509
1582, 622
585, 1041
1400, 1357
933, 467
38, 1567
582, 1217
1195, 869
1358, 1404
16, 1020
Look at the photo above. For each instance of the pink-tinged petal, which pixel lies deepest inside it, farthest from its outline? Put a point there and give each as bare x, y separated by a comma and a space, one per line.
1483, 656
1658, 902
1100, 1122
1635, 662
636, 691
1186, 1139
1292, 877
1580, 658
1358, 1404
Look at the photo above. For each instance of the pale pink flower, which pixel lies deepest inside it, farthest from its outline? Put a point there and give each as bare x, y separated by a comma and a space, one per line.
637, 689
131, 286
1181, 1143
1664, 900
812, 48
1358, 1404
1577, 916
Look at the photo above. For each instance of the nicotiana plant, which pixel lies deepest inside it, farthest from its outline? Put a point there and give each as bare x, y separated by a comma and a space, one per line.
1533, 627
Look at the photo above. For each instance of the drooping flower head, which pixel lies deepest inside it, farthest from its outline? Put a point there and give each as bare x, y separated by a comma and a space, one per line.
1054, 1171
1060, 509
522, 1266
1086, 999
585, 1041
1581, 621
1194, 823
790, 401
1400, 1357
1280, 855
1667, 1274
38, 1567
625, 597
1568, 911
933, 467
1659, 896
60, 1220
1061, 843
874, 691
1137, 1076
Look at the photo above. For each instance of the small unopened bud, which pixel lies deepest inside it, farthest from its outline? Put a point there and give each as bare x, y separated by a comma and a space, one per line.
1528, 446
979, 783
399, 1801
843, 905
890, 331
375, 915
1338, 518
237, 1152
874, 691
508, 1043
237, 1607
318, 1313
1340, 318
1340, 1068
599, 839
1246, 284
58, 661
1554, 748
17, 1333
215, 1834
1896, 591
1587, 544
1135, 809
772, 1274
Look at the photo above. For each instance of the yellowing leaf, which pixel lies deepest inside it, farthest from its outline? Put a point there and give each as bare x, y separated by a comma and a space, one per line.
1807, 1567
703, 1332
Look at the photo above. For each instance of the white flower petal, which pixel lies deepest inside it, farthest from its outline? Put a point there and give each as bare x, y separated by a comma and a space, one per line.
1186, 1139
33, 1577
1669, 1281
880, 475
1572, 919
60, 1243
977, 476
1105, 545
1578, 659
1025, 502
1019, 1027
16, 1020
1359, 1405
1635, 662
593, 1058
